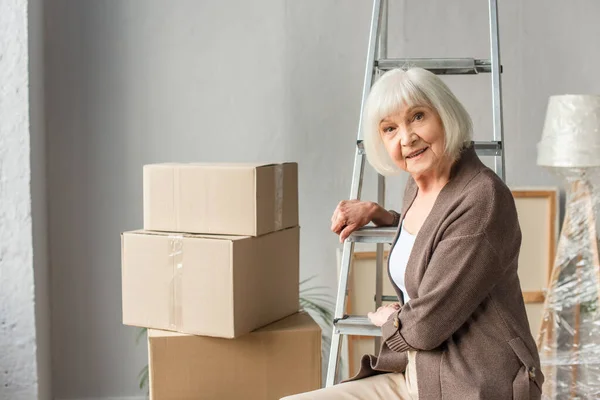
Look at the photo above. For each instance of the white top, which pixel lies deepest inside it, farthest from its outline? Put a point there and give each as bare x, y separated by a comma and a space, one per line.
399, 259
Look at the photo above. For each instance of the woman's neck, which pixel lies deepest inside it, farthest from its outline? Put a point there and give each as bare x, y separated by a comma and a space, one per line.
432, 182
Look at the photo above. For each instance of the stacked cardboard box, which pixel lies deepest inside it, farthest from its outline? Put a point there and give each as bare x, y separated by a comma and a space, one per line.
214, 276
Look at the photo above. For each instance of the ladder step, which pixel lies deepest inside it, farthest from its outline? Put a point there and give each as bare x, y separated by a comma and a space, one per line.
393, 299
356, 325
439, 66
373, 234
489, 148
493, 148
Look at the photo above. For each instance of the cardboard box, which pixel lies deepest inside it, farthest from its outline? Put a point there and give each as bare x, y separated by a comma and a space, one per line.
278, 360
214, 285
230, 199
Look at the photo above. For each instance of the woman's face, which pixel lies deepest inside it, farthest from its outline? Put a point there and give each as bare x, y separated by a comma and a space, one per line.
414, 139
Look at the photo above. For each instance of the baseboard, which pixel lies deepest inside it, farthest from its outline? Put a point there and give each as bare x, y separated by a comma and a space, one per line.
110, 398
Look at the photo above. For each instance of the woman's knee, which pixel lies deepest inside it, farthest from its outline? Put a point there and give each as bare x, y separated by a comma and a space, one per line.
304, 395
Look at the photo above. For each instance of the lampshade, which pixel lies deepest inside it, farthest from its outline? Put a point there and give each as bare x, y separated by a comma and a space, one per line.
571, 136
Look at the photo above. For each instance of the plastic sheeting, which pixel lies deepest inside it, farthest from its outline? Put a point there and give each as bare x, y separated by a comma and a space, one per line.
569, 340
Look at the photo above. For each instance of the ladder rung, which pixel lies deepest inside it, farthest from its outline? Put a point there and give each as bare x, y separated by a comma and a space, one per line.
393, 299
356, 325
489, 148
493, 148
373, 234
439, 66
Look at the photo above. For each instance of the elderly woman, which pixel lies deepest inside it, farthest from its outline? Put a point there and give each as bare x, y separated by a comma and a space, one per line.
460, 331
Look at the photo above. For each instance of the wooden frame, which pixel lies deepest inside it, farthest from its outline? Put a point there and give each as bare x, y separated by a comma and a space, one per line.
542, 218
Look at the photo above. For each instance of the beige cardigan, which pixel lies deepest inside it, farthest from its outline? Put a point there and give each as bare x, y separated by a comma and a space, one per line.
466, 316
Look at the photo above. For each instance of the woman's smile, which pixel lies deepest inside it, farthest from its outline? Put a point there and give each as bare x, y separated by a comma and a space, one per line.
415, 155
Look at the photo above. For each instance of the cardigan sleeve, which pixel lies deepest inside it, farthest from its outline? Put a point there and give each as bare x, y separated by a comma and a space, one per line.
396, 215
461, 273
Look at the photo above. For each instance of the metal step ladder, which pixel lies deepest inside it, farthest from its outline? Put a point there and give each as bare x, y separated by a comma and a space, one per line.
376, 64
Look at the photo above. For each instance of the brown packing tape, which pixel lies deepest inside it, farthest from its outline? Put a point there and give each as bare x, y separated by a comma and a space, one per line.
278, 196
176, 258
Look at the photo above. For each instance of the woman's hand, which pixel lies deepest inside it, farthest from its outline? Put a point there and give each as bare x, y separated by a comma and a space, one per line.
379, 317
351, 215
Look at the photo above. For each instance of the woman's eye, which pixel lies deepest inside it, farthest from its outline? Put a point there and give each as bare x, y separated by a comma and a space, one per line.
419, 116
388, 129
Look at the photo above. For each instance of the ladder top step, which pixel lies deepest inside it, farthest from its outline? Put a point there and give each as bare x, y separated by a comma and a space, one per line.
373, 234
357, 325
491, 148
439, 66
483, 148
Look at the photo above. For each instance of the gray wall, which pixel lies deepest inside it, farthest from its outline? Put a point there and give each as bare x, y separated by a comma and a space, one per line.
18, 357
135, 82
39, 203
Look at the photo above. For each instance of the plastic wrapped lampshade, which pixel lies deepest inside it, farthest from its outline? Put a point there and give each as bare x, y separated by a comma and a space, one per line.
571, 136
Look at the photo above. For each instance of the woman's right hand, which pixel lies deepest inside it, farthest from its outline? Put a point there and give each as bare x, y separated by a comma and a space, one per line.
351, 215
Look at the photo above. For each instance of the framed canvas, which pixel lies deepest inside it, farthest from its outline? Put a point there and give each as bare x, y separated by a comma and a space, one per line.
361, 300
537, 210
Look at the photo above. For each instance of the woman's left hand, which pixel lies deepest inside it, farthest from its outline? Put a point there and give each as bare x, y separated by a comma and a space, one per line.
379, 317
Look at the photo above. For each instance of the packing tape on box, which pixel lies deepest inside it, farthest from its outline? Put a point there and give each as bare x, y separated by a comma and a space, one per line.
176, 196
278, 196
176, 257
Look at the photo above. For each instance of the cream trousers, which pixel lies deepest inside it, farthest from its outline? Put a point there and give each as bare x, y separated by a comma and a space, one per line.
390, 386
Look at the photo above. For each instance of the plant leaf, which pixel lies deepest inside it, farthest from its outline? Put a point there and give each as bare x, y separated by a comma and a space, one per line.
140, 334
143, 377
310, 278
313, 288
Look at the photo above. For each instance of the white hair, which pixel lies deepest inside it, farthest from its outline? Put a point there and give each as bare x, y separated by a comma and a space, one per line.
412, 87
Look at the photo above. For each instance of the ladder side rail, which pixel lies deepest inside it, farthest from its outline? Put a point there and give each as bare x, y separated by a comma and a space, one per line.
382, 52
496, 86
355, 192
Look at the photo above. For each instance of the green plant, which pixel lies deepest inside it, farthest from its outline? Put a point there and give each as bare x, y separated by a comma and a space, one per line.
313, 299
316, 301
143, 375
